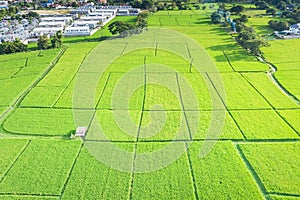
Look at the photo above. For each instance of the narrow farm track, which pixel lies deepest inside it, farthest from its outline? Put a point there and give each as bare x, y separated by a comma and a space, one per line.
271, 73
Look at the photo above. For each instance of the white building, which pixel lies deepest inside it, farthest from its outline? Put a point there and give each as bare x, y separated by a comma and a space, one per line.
77, 31
51, 24
36, 32
295, 29
93, 18
66, 20
91, 24
3, 4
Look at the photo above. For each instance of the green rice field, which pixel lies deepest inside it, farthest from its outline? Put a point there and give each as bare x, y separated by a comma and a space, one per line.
179, 111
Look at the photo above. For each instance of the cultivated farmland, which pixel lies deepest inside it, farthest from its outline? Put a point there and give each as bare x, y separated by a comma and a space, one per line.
177, 112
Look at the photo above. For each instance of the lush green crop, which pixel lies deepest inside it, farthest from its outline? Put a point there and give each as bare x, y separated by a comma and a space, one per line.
270, 91
222, 174
40, 121
44, 165
240, 94
259, 124
292, 117
16, 77
200, 127
155, 128
10, 149
125, 129
171, 182
91, 179
290, 81
277, 165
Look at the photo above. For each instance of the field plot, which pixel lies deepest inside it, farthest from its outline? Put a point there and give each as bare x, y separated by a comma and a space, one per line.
47, 178
240, 94
16, 76
53, 84
290, 81
292, 117
10, 150
42, 121
172, 182
277, 178
270, 91
91, 179
124, 129
200, 127
162, 92
154, 128
259, 124
126, 97
217, 178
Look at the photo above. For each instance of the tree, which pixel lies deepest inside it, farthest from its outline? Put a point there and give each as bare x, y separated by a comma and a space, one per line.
121, 28
216, 18
43, 42
271, 11
237, 9
281, 5
261, 5
56, 40
253, 46
244, 18
278, 25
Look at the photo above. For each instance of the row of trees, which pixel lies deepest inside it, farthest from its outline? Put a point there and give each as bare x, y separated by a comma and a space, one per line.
56, 41
246, 37
125, 29
12, 47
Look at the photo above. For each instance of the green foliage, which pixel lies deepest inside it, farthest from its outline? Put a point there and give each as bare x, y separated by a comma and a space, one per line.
262, 5
43, 42
56, 40
216, 18
12, 47
271, 11
281, 5
119, 27
279, 25
237, 9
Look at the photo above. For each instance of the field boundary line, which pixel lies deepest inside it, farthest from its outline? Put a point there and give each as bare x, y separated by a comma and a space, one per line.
71, 170
228, 61
15, 160
124, 48
255, 176
27, 195
284, 194
274, 109
191, 171
224, 104
130, 189
102, 93
182, 106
